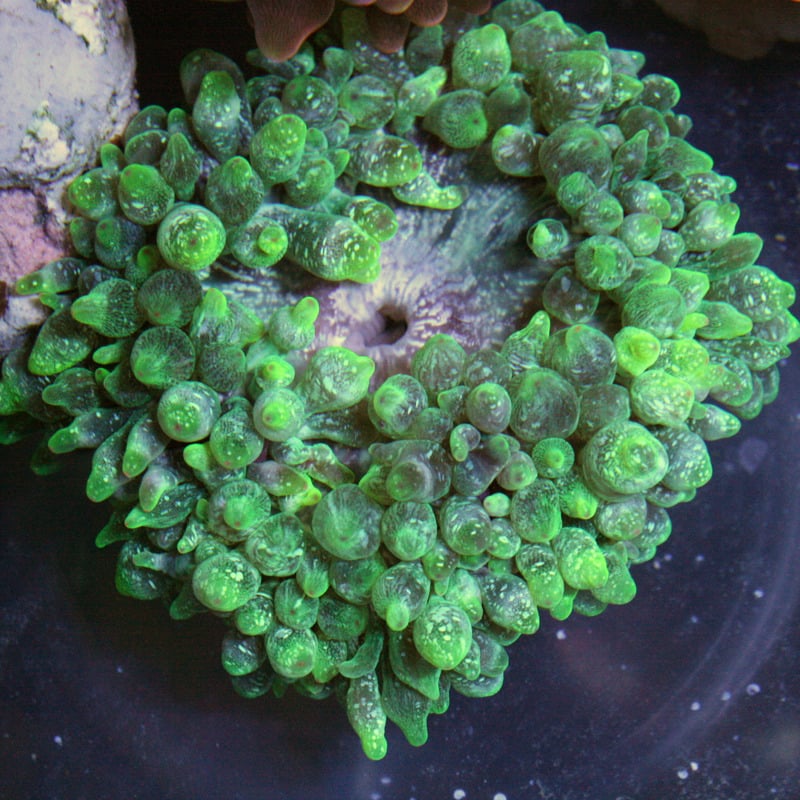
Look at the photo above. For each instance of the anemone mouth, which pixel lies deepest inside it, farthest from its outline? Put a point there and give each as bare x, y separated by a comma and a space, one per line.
377, 432
392, 328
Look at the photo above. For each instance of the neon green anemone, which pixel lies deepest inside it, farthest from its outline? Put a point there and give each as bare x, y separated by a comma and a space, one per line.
381, 515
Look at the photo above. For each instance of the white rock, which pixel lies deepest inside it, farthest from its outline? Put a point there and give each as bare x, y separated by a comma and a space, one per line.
68, 73
68, 85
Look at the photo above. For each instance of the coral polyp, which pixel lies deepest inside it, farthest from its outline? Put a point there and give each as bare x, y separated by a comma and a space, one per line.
382, 357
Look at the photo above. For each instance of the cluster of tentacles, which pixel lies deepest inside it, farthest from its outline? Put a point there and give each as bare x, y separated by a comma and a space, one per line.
388, 542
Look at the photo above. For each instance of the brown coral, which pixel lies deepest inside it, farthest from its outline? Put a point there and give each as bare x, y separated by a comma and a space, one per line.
281, 28
739, 28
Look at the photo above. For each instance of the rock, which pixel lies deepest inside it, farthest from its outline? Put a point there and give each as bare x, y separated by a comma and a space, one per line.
739, 28
68, 71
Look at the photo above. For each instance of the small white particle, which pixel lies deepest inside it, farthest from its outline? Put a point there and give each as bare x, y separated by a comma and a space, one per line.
120, 669
459, 794
752, 453
694, 766
725, 696
683, 773
58, 741
699, 558
499, 796
758, 593
694, 619
561, 634
752, 689
385, 780
695, 706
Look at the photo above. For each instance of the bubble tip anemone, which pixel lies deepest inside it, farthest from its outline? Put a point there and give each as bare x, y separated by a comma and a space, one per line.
390, 537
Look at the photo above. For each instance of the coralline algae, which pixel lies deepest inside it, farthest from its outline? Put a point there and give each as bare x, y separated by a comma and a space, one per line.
379, 356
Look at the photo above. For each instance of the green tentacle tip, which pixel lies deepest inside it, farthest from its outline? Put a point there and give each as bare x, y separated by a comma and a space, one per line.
190, 237
162, 356
383, 160
279, 414
169, 297
60, 275
234, 191
94, 194
110, 308
346, 523
459, 119
277, 148
623, 458
62, 342
259, 243
292, 327
329, 246
144, 196
188, 410
425, 191
225, 582
443, 634
216, 114
336, 378
370, 101
481, 58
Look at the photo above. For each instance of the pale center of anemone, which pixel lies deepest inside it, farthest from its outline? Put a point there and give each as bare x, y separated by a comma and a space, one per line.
467, 273
390, 326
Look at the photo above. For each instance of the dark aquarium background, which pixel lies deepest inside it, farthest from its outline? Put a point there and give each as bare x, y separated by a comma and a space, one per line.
691, 691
